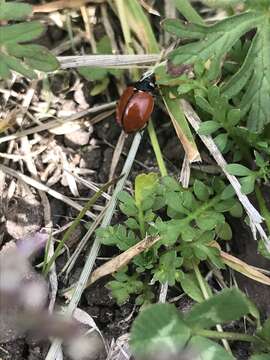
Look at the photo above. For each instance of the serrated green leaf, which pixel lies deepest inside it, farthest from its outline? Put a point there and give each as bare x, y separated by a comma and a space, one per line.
238, 170
171, 184
158, 328
144, 186
257, 96
132, 224
167, 268
228, 305
208, 127
218, 40
201, 191
175, 201
208, 220
237, 82
169, 230
178, 28
14, 11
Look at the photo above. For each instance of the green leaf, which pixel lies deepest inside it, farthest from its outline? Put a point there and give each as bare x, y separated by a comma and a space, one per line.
158, 328
18, 66
208, 349
228, 192
36, 56
121, 290
188, 233
104, 45
117, 235
167, 268
224, 231
176, 201
92, 73
185, 88
209, 220
169, 230
4, 70
221, 141
234, 117
178, 28
201, 191
238, 170
204, 104
100, 87
253, 76
208, 127
228, 305
190, 286
219, 39
145, 185
260, 162
247, 184
19, 33
24, 58
132, 224
257, 96
225, 205
171, 184
14, 11
236, 210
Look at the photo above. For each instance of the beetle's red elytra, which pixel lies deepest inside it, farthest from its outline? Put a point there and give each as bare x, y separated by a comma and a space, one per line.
135, 106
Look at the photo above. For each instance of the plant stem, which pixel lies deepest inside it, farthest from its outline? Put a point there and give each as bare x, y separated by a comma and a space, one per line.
200, 281
185, 8
141, 223
262, 204
226, 335
156, 148
207, 296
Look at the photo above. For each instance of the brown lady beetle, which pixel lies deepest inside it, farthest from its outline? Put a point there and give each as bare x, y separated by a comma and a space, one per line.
136, 105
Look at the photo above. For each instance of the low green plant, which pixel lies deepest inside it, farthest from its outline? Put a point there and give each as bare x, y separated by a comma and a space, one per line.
188, 222
16, 53
99, 76
161, 328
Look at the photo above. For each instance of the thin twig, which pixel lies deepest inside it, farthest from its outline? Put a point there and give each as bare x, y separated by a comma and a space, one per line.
105, 61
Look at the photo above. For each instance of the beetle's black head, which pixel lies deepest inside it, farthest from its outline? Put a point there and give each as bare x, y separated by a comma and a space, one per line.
147, 84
